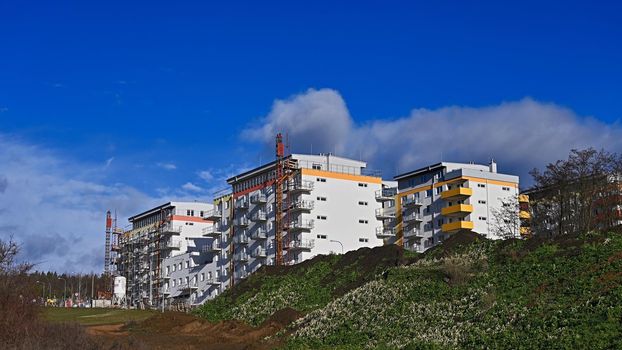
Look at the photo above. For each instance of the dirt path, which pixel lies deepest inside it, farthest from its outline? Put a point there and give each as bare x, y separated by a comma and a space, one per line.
183, 331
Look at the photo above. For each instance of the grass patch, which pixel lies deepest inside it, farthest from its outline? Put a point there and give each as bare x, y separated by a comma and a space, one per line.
92, 317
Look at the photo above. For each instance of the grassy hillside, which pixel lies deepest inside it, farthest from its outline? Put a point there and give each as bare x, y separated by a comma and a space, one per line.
467, 293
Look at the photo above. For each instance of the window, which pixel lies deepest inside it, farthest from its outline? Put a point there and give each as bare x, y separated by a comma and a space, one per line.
180, 266
168, 270
505, 188
321, 217
320, 179
439, 189
316, 166
362, 184
482, 218
321, 236
363, 240
201, 215
173, 283
439, 222
481, 201
323, 199
481, 185
427, 209
202, 276
187, 264
187, 280
174, 267
361, 221
362, 203
428, 193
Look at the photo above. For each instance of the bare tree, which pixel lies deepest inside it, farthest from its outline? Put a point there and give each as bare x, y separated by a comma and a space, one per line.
577, 194
506, 219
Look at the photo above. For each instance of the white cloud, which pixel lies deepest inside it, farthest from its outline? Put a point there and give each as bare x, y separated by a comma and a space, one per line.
56, 207
206, 175
109, 161
317, 119
189, 186
520, 135
167, 166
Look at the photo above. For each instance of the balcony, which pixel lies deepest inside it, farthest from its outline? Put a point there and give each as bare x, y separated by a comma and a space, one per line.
525, 215
301, 245
240, 257
302, 225
301, 205
454, 227
386, 194
410, 201
212, 248
385, 213
213, 215
241, 204
259, 216
170, 245
300, 186
260, 253
115, 248
213, 281
523, 198
212, 231
385, 232
259, 199
413, 233
457, 193
241, 221
169, 229
241, 239
457, 210
259, 234
412, 218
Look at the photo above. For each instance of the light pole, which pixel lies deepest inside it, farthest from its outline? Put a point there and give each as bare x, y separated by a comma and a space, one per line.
64, 292
335, 241
42, 293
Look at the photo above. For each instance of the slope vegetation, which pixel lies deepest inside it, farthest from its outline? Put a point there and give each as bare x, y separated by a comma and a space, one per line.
467, 293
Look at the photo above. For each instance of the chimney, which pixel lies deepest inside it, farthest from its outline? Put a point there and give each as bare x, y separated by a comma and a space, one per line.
492, 166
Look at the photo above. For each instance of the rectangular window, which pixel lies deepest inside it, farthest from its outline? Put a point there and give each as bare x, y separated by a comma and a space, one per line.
187, 212
201, 213
362, 184
363, 240
320, 179
481, 201
439, 222
316, 166
439, 189
321, 236
428, 193
323, 199
361, 221
202, 276
362, 203
483, 218
505, 188
321, 217
481, 185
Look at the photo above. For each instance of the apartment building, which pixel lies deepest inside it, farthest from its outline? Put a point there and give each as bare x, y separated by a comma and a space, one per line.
158, 234
433, 202
329, 206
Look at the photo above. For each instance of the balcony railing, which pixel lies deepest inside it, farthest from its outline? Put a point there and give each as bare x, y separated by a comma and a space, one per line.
170, 245
212, 231
241, 257
411, 233
211, 248
300, 186
385, 213
241, 221
260, 253
384, 232
170, 229
301, 245
259, 216
302, 225
213, 214
260, 234
241, 239
386, 194
259, 198
411, 201
241, 204
413, 217
304, 205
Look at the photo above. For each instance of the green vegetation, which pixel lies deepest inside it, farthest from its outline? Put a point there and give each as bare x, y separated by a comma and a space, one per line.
91, 317
469, 292
304, 287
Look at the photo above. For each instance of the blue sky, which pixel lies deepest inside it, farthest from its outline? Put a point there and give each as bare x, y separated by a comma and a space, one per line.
164, 100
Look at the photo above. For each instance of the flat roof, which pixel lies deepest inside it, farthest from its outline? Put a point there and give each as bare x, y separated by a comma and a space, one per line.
160, 207
419, 171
